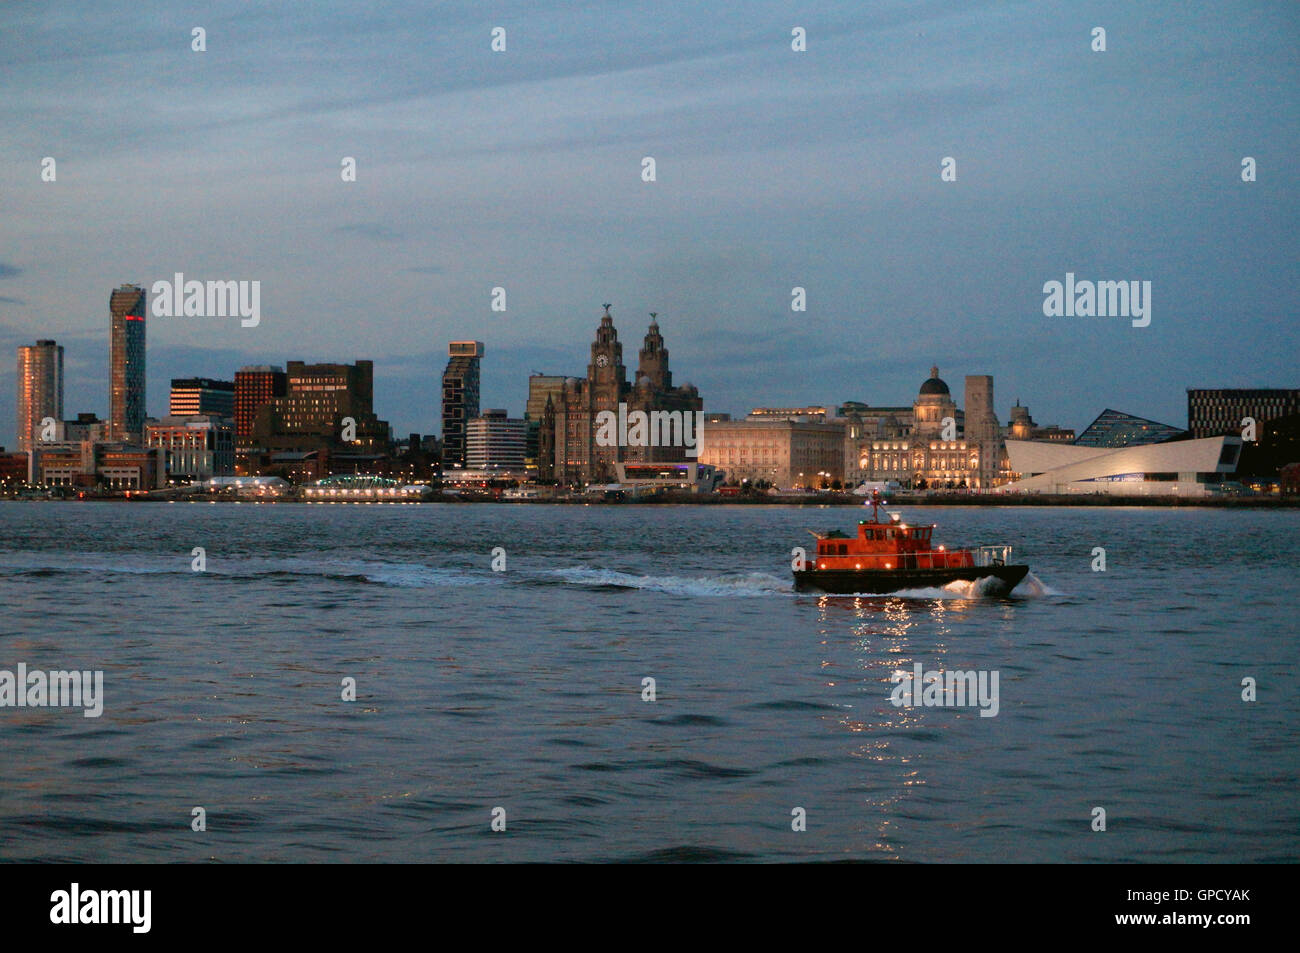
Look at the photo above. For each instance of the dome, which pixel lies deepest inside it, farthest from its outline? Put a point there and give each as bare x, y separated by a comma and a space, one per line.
934, 385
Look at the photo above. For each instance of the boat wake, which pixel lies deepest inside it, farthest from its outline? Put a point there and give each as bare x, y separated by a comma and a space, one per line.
1031, 587
729, 584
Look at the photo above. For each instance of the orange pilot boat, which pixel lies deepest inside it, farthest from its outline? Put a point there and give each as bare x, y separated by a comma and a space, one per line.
890, 555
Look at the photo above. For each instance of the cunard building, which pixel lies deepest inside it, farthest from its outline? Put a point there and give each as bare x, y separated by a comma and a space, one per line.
570, 426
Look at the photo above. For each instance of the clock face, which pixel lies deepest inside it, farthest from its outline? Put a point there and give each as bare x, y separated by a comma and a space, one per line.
602, 361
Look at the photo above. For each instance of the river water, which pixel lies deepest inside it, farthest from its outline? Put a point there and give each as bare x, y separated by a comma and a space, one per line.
524, 689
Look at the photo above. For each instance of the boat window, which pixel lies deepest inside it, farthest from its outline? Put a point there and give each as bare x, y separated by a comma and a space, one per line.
844, 549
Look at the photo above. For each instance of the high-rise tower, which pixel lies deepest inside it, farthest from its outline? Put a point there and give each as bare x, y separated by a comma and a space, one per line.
40, 389
460, 387
126, 309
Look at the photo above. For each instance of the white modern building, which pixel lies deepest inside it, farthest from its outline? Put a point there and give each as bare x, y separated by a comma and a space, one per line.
494, 441
1175, 468
696, 477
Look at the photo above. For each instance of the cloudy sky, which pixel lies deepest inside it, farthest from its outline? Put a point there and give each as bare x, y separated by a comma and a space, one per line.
522, 169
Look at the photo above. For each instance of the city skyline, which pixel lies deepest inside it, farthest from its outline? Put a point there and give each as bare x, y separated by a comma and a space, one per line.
758, 401
817, 169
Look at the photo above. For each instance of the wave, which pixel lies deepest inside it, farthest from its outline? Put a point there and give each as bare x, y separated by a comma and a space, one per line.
728, 584
1031, 587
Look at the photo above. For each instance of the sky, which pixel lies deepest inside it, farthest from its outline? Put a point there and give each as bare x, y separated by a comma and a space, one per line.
774, 169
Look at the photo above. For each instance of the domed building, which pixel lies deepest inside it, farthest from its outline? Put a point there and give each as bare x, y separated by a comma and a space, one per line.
933, 403
919, 456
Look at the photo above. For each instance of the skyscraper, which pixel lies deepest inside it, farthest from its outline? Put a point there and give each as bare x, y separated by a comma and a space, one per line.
40, 389
126, 309
460, 386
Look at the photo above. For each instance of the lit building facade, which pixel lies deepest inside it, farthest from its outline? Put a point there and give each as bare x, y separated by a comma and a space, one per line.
943, 447
40, 390
785, 452
1172, 468
196, 447
255, 387
496, 442
201, 395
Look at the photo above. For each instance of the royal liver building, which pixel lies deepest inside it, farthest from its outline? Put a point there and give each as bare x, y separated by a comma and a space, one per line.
571, 438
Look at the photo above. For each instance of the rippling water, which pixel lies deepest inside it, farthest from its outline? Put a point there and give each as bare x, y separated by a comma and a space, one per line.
523, 689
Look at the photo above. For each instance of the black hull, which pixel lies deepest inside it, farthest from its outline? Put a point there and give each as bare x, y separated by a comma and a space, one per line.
879, 581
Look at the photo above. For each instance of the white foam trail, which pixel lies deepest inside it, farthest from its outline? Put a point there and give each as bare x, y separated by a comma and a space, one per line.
1033, 587
736, 584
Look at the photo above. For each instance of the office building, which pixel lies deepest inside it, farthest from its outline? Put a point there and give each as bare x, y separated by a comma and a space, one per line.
460, 397
495, 442
197, 447
785, 452
255, 387
1213, 412
325, 407
201, 395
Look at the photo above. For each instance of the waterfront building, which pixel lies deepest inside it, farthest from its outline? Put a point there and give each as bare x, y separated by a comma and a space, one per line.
126, 309
40, 390
313, 414
496, 442
125, 467
572, 427
941, 447
15, 468
1173, 468
201, 395
255, 386
1212, 412
642, 477
63, 463
460, 398
1114, 428
116, 466
784, 452
197, 447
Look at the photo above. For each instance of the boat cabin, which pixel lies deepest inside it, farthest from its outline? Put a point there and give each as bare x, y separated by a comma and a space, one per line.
886, 544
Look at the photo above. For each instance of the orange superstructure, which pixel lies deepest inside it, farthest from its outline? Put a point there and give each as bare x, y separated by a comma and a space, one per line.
887, 544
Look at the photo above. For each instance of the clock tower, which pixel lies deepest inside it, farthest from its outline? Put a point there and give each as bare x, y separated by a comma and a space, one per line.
606, 371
